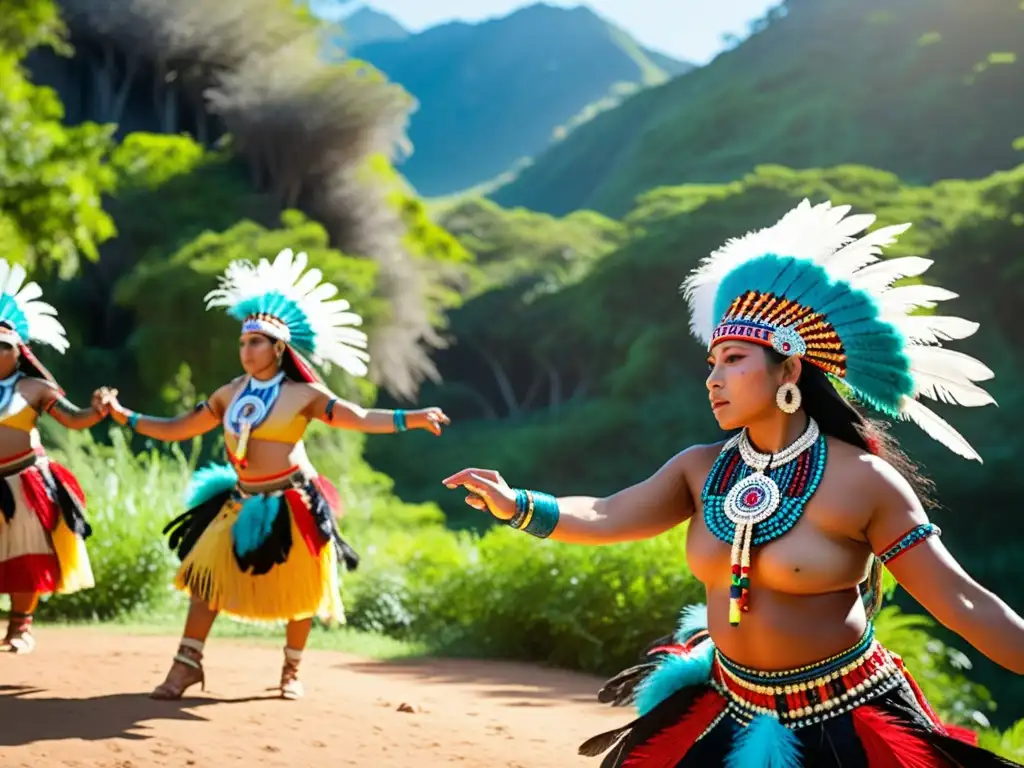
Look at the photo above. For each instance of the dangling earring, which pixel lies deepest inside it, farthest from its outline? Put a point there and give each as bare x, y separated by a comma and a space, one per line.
788, 398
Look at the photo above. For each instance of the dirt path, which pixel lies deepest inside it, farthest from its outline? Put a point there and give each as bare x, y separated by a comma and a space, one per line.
80, 701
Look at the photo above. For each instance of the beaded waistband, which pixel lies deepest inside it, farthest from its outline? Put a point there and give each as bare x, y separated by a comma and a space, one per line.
810, 694
293, 477
13, 465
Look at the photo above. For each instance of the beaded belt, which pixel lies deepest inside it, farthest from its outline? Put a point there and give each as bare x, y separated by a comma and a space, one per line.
13, 465
810, 694
273, 485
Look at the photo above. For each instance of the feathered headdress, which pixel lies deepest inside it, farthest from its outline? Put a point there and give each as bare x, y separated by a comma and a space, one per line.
285, 301
23, 317
808, 287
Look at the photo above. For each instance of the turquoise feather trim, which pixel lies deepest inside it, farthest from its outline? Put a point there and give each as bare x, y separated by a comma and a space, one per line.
765, 743
672, 674
212, 480
877, 366
692, 619
284, 309
12, 314
254, 523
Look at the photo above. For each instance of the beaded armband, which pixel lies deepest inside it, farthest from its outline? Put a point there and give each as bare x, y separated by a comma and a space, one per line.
133, 420
329, 409
908, 541
536, 513
399, 420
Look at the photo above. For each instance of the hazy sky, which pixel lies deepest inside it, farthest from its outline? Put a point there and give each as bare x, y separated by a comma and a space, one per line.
686, 29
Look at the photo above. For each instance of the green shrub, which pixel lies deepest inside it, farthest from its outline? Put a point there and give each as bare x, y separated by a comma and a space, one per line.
129, 498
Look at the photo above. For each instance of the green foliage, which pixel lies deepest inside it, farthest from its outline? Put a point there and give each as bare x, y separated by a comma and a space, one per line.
889, 85
129, 497
52, 176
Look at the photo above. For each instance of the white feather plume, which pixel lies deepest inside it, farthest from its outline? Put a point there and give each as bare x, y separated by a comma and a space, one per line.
40, 317
338, 339
937, 429
827, 236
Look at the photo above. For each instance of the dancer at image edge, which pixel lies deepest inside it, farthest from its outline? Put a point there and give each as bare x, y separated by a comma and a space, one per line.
791, 519
42, 508
259, 539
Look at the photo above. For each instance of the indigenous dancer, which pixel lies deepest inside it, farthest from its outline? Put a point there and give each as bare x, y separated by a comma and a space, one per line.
259, 540
792, 515
42, 508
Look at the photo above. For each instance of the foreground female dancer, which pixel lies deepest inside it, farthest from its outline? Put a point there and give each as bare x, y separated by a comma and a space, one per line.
791, 515
259, 540
42, 521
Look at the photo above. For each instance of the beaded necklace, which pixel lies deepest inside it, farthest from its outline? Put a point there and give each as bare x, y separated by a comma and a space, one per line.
752, 498
249, 409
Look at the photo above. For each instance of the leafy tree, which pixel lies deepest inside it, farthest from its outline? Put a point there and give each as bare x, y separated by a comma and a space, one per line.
52, 177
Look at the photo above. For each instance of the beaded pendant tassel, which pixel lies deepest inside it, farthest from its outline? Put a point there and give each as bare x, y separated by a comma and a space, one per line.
243, 444
739, 591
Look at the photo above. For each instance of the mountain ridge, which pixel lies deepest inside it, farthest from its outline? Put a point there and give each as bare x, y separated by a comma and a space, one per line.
923, 88
495, 92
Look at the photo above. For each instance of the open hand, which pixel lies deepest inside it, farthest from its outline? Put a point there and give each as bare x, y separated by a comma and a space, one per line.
488, 491
430, 419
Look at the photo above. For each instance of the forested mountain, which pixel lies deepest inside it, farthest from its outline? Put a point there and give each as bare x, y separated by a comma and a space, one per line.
927, 89
495, 93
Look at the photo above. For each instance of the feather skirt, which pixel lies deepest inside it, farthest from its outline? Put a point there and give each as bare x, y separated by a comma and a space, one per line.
267, 556
861, 709
42, 528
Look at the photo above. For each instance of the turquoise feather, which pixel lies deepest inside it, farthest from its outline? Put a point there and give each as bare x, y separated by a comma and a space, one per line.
878, 369
12, 314
765, 743
672, 674
212, 480
286, 310
254, 523
692, 619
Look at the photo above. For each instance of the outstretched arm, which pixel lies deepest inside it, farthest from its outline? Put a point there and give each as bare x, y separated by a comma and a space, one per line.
47, 398
203, 418
327, 407
641, 511
902, 536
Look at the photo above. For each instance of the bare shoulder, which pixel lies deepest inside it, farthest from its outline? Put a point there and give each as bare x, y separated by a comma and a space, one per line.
866, 471
223, 394
37, 391
694, 463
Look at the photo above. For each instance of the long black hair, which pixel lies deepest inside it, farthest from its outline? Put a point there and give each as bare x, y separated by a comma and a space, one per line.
837, 417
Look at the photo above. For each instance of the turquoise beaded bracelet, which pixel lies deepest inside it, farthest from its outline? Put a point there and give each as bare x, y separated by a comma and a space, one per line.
398, 417
536, 513
133, 419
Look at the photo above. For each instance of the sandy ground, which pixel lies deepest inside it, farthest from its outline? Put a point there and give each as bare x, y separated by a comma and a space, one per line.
80, 700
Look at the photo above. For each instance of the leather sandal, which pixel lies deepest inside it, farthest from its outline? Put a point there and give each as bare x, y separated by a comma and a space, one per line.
186, 671
19, 638
291, 686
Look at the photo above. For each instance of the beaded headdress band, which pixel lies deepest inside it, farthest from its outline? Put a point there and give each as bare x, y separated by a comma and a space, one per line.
288, 302
808, 287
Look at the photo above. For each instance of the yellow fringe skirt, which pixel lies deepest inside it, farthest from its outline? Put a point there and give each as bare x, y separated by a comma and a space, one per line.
301, 583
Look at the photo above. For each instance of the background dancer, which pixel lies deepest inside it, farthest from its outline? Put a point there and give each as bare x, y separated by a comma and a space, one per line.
259, 539
42, 508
